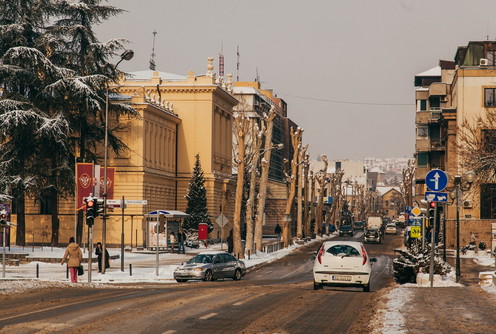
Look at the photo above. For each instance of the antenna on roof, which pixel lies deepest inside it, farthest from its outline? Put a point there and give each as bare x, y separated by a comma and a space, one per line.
152, 59
237, 65
257, 78
221, 60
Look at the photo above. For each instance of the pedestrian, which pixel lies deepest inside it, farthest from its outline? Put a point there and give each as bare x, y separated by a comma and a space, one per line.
181, 239
99, 253
278, 231
74, 257
172, 241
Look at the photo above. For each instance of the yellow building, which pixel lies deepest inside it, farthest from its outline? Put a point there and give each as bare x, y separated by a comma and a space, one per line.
180, 116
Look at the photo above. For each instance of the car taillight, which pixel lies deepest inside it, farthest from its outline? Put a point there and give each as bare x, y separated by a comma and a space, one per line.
364, 254
319, 256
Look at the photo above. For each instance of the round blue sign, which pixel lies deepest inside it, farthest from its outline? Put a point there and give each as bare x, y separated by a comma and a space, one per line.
436, 180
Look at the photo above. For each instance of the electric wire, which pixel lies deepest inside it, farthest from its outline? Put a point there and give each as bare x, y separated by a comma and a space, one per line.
346, 102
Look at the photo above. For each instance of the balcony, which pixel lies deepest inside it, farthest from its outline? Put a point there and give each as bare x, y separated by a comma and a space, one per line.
422, 117
422, 144
435, 115
437, 144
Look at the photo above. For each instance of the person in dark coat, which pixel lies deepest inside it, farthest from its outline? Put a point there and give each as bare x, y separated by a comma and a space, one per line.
278, 231
181, 239
99, 253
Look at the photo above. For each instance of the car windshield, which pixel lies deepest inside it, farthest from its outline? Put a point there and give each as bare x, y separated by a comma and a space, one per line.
201, 258
346, 227
391, 225
343, 250
358, 223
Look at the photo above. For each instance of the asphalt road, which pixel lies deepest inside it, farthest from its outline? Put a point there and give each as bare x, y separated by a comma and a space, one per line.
276, 298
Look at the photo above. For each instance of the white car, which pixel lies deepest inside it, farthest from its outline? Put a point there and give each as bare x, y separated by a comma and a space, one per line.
342, 263
391, 229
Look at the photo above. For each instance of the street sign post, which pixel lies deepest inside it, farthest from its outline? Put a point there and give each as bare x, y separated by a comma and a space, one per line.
436, 180
432, 196
221, 221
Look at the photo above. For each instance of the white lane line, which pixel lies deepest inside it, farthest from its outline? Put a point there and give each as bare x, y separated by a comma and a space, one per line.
240, 302
169, 332
208, 316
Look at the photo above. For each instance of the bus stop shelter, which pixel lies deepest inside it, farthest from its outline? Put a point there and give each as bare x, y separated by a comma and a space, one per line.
172, 222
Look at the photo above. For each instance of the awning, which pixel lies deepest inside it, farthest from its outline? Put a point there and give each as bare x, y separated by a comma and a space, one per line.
169, 213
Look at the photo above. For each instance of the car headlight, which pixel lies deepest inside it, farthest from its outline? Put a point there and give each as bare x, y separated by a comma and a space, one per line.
199, 269
178, 269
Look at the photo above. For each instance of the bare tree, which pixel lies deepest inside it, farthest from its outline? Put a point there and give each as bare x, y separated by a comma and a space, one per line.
299, 197
296, 137
306, 211
269, 121
406, 186
242, 128
321, 177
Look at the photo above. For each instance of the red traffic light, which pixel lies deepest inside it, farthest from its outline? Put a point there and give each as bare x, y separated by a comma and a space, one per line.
433, 204
3, 215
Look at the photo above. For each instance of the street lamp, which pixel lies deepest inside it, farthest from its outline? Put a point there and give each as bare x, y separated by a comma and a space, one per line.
462, 183
126, 55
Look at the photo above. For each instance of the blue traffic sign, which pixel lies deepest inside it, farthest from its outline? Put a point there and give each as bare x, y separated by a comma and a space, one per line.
436, 196
436, 180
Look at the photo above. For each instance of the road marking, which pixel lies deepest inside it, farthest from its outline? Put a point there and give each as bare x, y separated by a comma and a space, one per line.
210, 315
240, 302
169, 332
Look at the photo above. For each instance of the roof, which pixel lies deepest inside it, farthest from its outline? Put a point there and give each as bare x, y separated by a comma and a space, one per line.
147, 74
169, 213
433, 72
384, 190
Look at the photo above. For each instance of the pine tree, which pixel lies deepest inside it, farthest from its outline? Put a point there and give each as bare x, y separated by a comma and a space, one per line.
197, 201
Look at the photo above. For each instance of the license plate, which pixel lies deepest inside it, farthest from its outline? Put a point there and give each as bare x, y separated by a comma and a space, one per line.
341, 278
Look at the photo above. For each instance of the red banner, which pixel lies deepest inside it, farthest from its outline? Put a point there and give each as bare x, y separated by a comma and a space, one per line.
84, 180
110, 181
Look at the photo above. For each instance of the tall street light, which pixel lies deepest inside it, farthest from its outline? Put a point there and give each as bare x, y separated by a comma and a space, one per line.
126, 55
462, 183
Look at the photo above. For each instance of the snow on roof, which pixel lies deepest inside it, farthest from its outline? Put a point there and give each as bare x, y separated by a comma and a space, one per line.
147, 74
170, 213
384, 190
433, 72
253, 91
376, 170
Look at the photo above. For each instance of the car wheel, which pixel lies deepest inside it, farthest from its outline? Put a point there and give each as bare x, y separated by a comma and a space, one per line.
180, 280
366, 288
317, 286
208, 276
237, 275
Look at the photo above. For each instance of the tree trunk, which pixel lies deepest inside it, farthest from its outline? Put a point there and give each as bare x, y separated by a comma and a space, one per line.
321, 178
55, 217
306, 216
299, 197
21, 219
241, 129
295, 140
263, 179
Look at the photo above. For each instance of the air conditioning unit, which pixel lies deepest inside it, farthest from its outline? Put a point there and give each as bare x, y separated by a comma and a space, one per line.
483, 62
467, 204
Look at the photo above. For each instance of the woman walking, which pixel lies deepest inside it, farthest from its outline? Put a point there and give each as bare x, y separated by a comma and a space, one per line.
99, 253
74, 257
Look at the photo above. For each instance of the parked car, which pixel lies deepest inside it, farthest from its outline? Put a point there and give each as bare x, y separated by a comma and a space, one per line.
359, 225
372, 235
391, 228
342, 263
346, 230
210, 265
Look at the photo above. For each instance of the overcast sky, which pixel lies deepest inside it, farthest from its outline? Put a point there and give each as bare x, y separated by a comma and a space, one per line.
361, 52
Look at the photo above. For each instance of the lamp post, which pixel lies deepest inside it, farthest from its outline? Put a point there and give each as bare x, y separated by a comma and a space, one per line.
126, 55
462, 183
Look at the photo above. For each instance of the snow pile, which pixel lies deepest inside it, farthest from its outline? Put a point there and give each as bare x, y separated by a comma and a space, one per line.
423, 280
390, 320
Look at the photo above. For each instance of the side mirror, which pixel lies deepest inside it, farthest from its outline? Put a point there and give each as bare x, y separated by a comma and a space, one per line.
373, 259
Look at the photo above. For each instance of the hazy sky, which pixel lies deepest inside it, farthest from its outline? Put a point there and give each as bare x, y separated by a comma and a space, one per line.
361, 52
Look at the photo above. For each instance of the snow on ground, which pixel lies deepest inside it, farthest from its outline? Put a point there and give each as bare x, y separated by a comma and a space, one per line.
144, 268
390, 320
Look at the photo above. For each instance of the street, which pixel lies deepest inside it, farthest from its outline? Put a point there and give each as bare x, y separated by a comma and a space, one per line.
276, 298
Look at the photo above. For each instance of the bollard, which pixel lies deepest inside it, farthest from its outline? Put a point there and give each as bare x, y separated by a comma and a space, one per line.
130, 269
37, 270
249, 254
66, 272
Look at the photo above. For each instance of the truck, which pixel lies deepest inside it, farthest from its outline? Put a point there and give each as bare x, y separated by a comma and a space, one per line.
374, 222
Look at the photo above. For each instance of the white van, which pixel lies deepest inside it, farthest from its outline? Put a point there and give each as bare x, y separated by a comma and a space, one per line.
342, 263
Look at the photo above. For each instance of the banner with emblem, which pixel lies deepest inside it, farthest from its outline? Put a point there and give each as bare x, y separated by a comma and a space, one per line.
84, 181
110, 181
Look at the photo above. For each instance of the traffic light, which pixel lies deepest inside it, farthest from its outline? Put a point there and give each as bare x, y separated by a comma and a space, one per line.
90, 210
3, 218
431, 214
99, 206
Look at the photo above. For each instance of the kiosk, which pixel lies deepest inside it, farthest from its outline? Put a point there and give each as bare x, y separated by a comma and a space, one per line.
172, 223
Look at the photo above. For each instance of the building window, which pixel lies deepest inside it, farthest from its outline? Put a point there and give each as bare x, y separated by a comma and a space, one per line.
488, 201
422, 132
422, 159
489, 97
46, 203
422, 105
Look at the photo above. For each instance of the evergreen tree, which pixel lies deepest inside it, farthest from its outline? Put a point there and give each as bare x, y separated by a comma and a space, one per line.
197, 201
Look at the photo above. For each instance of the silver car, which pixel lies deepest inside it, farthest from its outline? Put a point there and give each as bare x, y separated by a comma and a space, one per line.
210, 265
